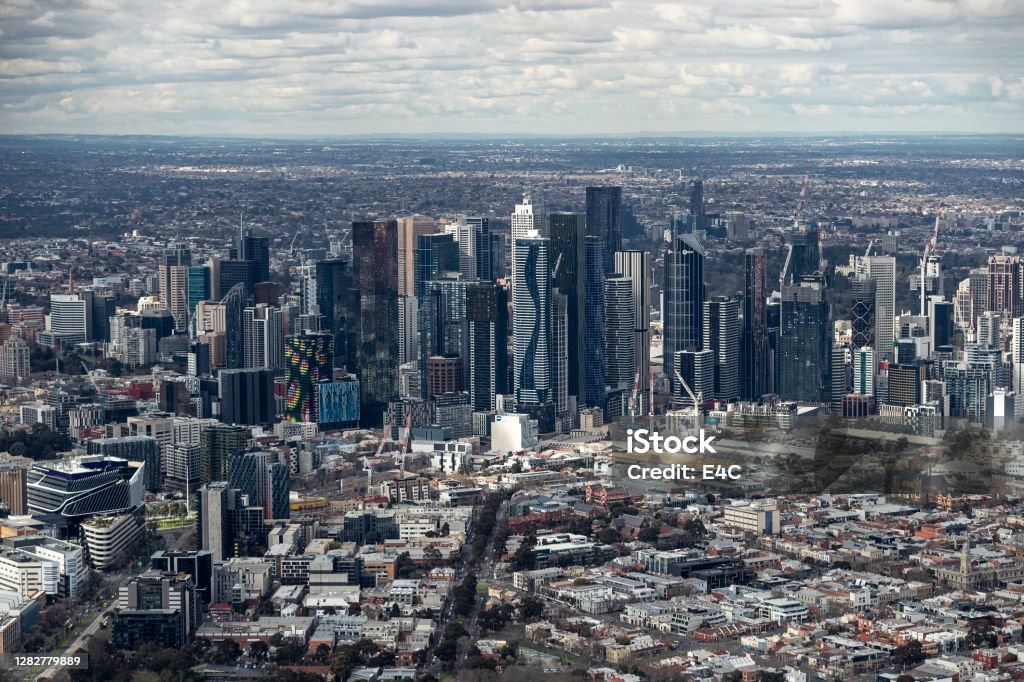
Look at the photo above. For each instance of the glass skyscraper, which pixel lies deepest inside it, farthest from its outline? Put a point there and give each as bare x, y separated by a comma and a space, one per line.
532, 333
308, 361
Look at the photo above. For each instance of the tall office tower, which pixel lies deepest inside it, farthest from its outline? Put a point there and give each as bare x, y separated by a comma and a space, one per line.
217, 442
376, 277
604, 220
979, 287
473, 236
182, 464
443, 325
565, 408
684, 297
257, 251
216, 501
1004, 285
233, 272
199, 288
522, 224
531, 294
940, 322
839, 374
331, 295
409, 230
263, 337
636, 266
487, 315
569, 259
443, 375
70, 318
882, 269
309, 360
436, 255
173, 282
13, 490
862, 312
596, 394
234, 337
755, 353
620, 337
1017, 355
15, 364
247, 396
697, 367
906, 382
864, 370
722, 337
804, 256
805, 343
408, 334
248, 472
988, 329
697, 206
101, 307
963, 306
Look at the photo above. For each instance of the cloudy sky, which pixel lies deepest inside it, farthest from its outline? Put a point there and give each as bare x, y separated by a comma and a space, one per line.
510, 66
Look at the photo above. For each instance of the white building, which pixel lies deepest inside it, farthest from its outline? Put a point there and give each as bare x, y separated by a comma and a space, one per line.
513, 432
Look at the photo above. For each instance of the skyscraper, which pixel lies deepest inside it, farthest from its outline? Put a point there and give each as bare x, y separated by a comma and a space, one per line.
70, 318
1004, 285
863, 310
697, 219
805, 343
722, 337
522, 223
697, 367
173, 278
620, 337
436, 254
940, 321
804, 257
216, 443
636, 266
684, 297
604, 220
882, 269
487, 316
263, 332
374, 245
199, 288
247, 396
443, 324
309, 360
532, 332
568, 258
1017, 355
332, 296
234, 337
755, 354
15, 356
248, 472
864, 370
472, 234
565, 406
257, 251
595, 391
409, 230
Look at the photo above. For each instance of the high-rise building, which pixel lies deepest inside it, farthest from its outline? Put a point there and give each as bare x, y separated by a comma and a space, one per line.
216, 500
594, 361
882, 269
636, 266
145, 449
565, 406
697, 206
15, 363
755, 353
987, 329
979, 288
444, 325
234, 337
532, 330
257, 251
199, 286
940, 322
620, 335
443, 375
906, 383
722, 337
374, 245
249, 473
308, 362
864, 370
522, 223
697, 367
863, 310
263, 337
1017, 355
410, 229
1004, 285
436, 255
568, 261
173, 277
247, 396
182, 463
217, 443
330, 294
804, 256
604, 221
473, 236
70, 318
684, 297
487, 316
234, 272
805, 343
197, 565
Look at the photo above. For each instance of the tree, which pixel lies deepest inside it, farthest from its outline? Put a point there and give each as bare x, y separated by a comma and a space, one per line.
908, 655
531, 609
258, 650
981, 634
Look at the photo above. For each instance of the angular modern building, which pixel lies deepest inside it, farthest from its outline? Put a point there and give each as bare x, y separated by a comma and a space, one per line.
636, 266
69, 491
684, 298
532, 330
604, 221
568, 259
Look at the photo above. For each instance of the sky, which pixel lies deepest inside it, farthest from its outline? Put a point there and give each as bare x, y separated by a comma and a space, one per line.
560, 67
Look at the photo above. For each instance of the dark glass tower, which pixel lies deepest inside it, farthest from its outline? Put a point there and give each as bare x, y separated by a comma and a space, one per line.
604, 220
234, 303
755, 356
594, 360
805, 343
435, 255
684, 297
568, 258
256, 250
374, 248
444, 326
487, 313
722, 337
335, 300
863, 311
199, 288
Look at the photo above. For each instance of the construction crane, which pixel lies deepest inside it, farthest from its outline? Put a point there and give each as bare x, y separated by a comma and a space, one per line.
369, 474
100, 396
929, 247
867, 251
796, 226
634, 395
698, 402
405, 443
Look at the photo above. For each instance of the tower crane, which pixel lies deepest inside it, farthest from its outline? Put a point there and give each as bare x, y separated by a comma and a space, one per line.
698, 401
634, 395
929, 247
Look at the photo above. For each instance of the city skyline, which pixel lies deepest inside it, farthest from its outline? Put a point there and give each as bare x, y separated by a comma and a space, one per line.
420, 68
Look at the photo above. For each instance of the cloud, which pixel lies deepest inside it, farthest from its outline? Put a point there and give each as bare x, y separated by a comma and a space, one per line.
561, 66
